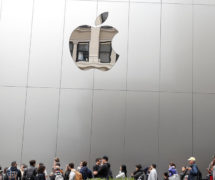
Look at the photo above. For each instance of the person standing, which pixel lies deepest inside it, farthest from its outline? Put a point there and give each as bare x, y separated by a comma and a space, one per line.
85, 171
96, 167
13, 173
153, 173
30, 172
193, 169
104, 170
122, 172
41, 173
72, 171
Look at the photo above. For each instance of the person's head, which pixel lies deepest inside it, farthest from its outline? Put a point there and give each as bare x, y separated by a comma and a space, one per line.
138, 167
67, 167
171, 164
123, 169
192, 160
56, 159
5, 170
71, 165
57, 164
41, 169
166, 175
183, 169
153, 166
14, 164
32, 163
98, 161
104, 159
23, 167
84, 163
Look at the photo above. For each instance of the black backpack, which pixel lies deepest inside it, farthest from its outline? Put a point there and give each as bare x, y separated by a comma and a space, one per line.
141, 177
30, 174
199, 175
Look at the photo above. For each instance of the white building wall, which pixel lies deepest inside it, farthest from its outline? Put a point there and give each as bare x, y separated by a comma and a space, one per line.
155, 105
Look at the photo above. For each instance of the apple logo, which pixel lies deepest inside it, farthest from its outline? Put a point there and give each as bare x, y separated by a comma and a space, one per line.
91, 47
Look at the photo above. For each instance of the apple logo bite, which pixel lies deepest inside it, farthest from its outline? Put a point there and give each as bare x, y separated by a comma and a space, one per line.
91, 47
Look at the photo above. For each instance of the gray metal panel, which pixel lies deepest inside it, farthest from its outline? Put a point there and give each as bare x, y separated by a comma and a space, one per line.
15, 38
11, 117
46, 45
176, 48
204, 123
41, 125
108, 127
141, 140
74, 126
144, 47
175, 133
203, 47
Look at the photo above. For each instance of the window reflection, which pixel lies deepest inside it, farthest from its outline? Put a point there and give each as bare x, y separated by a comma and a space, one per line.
91, 47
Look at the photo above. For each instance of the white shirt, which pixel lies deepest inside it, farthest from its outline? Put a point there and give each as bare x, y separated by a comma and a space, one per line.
120, 175
153, 175
72, 175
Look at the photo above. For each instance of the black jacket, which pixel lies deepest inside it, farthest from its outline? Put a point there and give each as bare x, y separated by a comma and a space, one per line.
137, 174
103, 171
40, 176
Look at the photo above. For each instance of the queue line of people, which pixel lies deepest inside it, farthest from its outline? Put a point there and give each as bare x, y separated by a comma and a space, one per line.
102, 170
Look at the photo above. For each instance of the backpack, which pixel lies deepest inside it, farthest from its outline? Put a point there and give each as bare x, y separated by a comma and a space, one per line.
141, 177
199, 175
59, 176
12, 175
30, 174
78, 176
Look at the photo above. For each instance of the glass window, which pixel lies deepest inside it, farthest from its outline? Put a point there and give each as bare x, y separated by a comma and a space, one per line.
71, 45
105, 52
83, 51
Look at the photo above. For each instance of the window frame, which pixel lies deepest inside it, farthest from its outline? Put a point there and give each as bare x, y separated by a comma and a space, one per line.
110, 52
88, 44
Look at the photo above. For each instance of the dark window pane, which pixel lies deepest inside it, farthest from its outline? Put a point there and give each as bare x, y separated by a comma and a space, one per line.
83, 52
105, 52
83, 47
105, 57
105, 47
71, 45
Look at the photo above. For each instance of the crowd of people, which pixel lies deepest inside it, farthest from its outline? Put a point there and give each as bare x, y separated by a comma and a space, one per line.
101, 170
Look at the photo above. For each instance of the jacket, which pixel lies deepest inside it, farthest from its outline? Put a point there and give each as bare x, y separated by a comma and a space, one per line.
86, 172
192, 175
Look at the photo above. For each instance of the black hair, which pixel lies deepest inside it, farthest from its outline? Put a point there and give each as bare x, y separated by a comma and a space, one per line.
71, 165
57, 159
13, 164
105, 158
154, 166
166, 174
139, 166
84, 163
24, 166
41, 169
32, 162
98, 159
124, 169
57, 164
